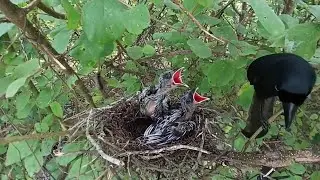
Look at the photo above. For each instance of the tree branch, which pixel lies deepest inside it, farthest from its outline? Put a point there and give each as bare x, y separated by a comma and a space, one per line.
18, 16
197, 22
51, 12
4, 20
32, 5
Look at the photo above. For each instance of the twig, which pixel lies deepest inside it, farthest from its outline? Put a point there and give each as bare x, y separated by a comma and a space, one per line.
12, 139
97, 146
197, 22
172, 148
220, 12
167, 55
270, 120
32, 5
51, 12
4, 20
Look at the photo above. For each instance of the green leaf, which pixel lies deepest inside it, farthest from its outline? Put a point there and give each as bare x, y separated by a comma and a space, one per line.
131, 83
220, 72
129, 39
41, 127
15, 86
288, 20
302, 39
48, 119
314, 116
44, 98
56, 109
102, 20
245, 96
130, 65
5, 82
3, 149
69, 149
135, 52
34, 162
19, 150
46, 146
23, 113
139, 19
199, 48
205, 3
90, 52
241, 48
22, 99
205, 19
78, 168
239, 143
267, 17
26, 69
297, 168
73, 15
148, 50
315, 10
5, 27
192, 6
315, 175
61, 40
225, 32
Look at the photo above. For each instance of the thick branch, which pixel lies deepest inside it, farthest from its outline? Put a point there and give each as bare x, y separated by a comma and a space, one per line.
273, 159
18, 16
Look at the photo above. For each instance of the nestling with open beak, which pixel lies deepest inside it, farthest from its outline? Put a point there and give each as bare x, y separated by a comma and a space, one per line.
176, 123
153, 100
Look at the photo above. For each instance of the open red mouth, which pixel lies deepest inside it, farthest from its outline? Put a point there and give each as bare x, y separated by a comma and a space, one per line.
177, 77
198, 98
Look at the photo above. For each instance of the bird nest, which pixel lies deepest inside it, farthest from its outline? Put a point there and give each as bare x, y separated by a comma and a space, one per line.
113, 132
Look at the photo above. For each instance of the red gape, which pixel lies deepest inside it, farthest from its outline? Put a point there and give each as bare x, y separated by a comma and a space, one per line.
177, 77
197, 98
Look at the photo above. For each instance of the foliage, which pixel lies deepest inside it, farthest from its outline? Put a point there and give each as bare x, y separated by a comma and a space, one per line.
130, 42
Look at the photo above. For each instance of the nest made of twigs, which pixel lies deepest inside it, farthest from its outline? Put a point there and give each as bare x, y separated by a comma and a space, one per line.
113, 130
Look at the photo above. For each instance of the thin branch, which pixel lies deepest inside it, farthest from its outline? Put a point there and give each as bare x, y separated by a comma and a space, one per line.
51, 12
167, 55
172, 148
18, 16
32, 5
198, 23
270, 120
4, 20
12, 139
220, 12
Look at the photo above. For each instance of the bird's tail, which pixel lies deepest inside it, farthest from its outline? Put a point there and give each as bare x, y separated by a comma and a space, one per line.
260, 111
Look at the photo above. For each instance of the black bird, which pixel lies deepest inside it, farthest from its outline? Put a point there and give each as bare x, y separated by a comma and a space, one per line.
284, 75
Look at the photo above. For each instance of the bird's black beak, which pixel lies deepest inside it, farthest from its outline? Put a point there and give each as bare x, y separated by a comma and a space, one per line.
290, 110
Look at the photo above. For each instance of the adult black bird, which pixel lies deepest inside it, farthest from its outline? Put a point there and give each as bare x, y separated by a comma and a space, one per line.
284, 75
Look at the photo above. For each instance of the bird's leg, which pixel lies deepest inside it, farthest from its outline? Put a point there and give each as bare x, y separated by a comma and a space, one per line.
264, 122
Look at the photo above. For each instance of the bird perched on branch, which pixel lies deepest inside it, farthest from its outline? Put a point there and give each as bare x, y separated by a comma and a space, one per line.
153, 99
176, 123
286, 76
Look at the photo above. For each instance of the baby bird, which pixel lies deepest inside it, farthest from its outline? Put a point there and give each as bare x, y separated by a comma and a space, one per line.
176, 123
153, 99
